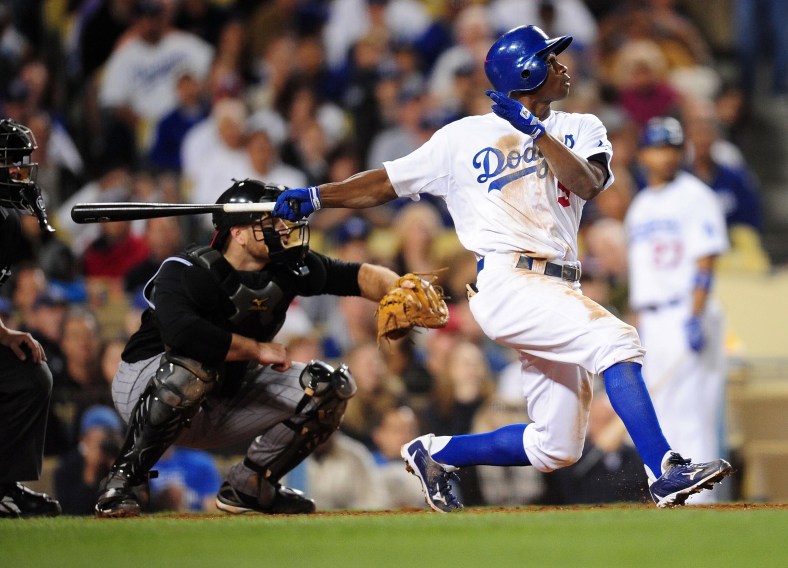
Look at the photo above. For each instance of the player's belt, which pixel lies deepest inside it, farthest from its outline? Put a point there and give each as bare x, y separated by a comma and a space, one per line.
568, 272
661, 306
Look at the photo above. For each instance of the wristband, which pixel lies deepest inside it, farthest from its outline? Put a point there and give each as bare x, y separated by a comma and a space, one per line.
703, 280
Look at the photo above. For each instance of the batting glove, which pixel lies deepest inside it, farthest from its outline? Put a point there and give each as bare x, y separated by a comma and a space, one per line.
516, 114
295, 204
695, 335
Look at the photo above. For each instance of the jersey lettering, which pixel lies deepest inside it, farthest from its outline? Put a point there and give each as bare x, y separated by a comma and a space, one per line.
493, 164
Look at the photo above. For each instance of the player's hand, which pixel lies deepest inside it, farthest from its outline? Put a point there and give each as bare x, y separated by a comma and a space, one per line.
695, 336
23, 345
516, 114
274, 354
295, 204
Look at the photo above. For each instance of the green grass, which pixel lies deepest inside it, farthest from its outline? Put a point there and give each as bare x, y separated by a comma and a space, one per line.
527, 537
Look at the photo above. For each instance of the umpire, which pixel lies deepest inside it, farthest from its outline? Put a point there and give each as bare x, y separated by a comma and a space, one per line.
202, 369
25, 380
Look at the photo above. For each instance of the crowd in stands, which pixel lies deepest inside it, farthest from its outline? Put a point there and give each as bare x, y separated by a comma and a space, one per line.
170, 100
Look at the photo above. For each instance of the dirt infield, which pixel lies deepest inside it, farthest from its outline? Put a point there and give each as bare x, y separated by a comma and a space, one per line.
526, 509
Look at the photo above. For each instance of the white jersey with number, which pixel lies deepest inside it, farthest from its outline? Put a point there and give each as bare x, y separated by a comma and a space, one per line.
506, 203
497, 186
669, 229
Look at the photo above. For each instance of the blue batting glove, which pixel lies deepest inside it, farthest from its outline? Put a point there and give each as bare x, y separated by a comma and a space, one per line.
516, 114
295, 204
695, 335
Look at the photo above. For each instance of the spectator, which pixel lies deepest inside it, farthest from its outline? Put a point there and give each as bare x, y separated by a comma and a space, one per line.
417, 226
378, 390
213, 152
737, 191
397, 426
101, 28
506, 486
641, 79
457, 394
80, 384
79, 471
165, 152
188, 481
115, 252
759, 23
341, 474
112, 183
473, 35
138, 83
164, 237
265, 132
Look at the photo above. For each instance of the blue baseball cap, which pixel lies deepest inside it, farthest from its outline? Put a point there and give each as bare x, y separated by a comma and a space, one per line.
662, 131
100, 416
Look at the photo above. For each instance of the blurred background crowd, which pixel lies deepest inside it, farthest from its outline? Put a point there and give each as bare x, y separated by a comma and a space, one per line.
169, 100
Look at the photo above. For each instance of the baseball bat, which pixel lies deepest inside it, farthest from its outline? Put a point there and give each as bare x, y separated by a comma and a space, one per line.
109, 212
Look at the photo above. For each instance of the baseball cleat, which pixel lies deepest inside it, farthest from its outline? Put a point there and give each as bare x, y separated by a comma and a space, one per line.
119, 498
435, 478
18, 501
681, 478
287, 501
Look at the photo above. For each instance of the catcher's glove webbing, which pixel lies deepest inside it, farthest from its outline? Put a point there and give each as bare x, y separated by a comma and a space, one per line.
411, 302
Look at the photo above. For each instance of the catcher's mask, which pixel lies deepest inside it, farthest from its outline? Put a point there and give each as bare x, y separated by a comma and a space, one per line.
287, 242
18, 172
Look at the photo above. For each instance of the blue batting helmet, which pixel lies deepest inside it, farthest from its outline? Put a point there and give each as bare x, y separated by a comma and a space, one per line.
662, 131
516, 61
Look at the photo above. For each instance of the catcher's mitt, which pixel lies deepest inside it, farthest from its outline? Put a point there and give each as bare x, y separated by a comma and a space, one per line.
411, 302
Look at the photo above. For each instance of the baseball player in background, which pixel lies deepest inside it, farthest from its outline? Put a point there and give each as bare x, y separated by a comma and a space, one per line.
204, 357
515, 182
676, 229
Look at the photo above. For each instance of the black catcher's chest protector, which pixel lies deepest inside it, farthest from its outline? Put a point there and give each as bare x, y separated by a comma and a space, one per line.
268, 303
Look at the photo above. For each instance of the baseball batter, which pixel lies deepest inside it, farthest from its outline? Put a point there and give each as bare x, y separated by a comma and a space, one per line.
676, 229
515, 182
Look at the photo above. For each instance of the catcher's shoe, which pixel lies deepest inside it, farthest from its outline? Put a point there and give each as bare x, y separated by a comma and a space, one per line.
435, 478
119, 498
17, 501
287, 501
680, 478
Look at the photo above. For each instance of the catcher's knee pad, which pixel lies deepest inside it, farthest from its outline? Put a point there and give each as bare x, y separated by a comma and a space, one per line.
171, 398
317, 417
180, 384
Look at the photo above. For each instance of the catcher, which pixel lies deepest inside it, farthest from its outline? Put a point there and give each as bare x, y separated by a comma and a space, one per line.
204, 358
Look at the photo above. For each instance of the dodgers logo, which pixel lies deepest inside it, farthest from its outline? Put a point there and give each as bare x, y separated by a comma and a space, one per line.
494, 164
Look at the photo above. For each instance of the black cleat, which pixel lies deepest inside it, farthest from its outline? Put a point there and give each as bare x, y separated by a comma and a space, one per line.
287, 501
17, 501
119, 498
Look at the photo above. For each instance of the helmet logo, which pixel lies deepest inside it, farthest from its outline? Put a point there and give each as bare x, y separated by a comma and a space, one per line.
259, 305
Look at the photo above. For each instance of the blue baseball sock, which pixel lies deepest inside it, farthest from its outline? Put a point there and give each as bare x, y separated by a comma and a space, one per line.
503, 446
630, 399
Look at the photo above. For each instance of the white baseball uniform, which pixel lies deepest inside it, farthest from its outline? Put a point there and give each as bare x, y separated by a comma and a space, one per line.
669, 229
506, 203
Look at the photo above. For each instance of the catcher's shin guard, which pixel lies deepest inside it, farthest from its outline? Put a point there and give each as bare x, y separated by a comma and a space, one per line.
288, 443
171, 398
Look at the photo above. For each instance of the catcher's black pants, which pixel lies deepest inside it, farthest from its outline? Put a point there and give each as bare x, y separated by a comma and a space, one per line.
25, 390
